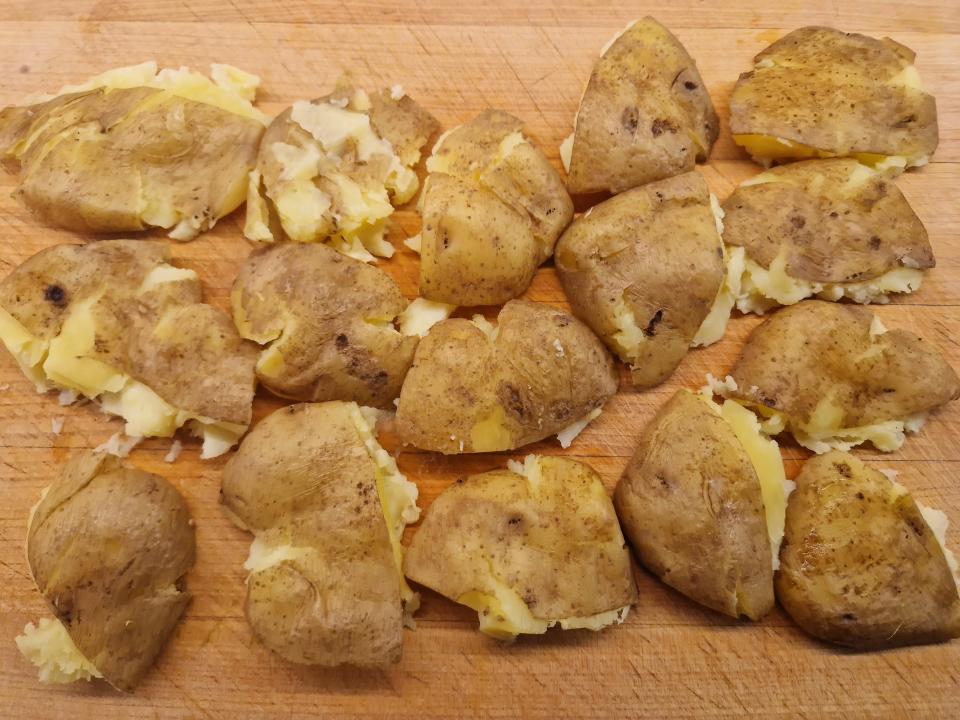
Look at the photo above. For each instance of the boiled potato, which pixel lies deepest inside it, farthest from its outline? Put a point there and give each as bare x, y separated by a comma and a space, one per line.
645, 270
475, 387
702, 502
327, 506
862, 563
493, 207
830, 228
115, 322
834, 377
818, 92
134, 148
645, 115
528, 548
328, 321
331, 170
108, 546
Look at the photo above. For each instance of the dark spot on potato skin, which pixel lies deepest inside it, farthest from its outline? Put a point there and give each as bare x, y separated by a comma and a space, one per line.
797, 221
55, 295
512, 400
341, 341
661, 126
651, 329
630, 119
843, 469
875, 243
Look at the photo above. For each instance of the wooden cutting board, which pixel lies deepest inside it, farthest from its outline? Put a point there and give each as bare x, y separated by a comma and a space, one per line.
671, 658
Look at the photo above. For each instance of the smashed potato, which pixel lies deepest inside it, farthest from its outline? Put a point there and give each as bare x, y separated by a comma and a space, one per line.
108, 546
861, 566
528, 548
327, 506
702, 502
135, 148
644, 270
114, 321
332, 169
328, 321
475, 387
819, 93
830, 228
834, 377
493, 207
645, 115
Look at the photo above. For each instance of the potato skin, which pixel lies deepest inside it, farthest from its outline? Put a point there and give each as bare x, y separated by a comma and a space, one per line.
645, 115
558, 546
505, 393
830, 232
859, 564
316, 306
853, 106
99, 154
105, 546
492, 212
302, 477
186, 351
691, 506
814, 349
643, 246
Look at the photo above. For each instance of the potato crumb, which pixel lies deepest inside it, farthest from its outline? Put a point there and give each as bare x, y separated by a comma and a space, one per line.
118, 445
559, 347
67, 397
176, 447
56, 425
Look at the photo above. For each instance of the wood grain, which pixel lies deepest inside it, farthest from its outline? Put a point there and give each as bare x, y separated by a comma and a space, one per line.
672, 658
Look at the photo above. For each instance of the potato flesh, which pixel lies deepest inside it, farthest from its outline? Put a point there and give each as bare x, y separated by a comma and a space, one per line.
766, 460
768, 149
764, 288
347, 212
64, 363
49, 647
421, 315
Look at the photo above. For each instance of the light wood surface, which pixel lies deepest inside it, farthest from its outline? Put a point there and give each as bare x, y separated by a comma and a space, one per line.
672, 658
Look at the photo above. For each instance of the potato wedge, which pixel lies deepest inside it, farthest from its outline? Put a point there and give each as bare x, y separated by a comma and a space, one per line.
474, 387
644, 270
108, 546
818, 92
830, 228
135, 148
114, 321
644, 116
528, 548
834, 377
332, 169
702, 502
328, 321
861, 566
493, 207
327, 506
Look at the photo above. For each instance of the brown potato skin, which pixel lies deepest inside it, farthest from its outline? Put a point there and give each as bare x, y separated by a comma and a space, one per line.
803, 352
103, 545
85, 170
186, 351
488, 220
332, 353
691, 506
850, 109
645, 115
560, 548
831, 235
303, 477
860, 568
644, 245
459, 377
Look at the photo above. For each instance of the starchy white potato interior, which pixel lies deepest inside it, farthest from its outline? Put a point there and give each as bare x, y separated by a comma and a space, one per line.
398, 496
49, 647
768, 149
764, 288
421, 315
570, 432
938, 522
765, 457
